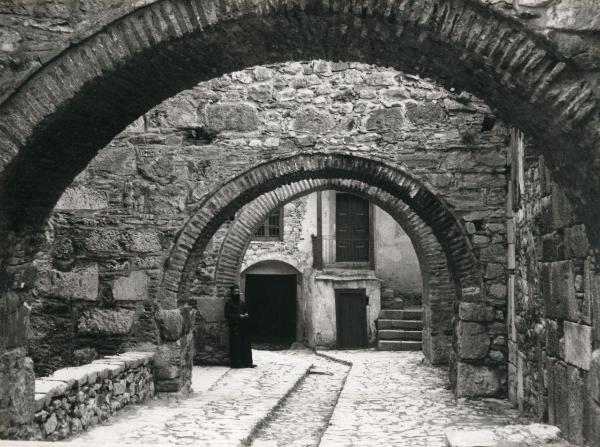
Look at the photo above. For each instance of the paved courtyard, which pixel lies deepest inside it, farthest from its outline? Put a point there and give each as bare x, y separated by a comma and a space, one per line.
299, 398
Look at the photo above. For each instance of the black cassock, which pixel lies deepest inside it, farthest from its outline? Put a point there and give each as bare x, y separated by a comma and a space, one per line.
240, 351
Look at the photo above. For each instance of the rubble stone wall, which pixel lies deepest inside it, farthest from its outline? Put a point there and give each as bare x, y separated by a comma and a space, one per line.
113, 228
73, 399
554, 297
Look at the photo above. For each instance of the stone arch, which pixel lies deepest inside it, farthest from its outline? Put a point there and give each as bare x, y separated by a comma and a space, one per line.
392, 188
304, 167
276, 257
49, 124
439, 293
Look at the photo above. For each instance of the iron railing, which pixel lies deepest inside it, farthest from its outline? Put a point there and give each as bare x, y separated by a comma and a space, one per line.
344, 250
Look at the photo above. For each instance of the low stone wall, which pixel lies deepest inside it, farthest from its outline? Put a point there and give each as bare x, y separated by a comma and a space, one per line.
73, 399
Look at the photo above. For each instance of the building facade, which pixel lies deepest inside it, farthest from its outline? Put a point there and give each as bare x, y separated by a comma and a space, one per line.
343, 257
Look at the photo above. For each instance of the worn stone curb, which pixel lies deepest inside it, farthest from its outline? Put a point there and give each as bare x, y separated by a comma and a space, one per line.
267, 418
347, 363
334, 359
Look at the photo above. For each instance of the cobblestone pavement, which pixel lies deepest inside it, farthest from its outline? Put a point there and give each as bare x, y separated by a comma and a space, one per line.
302, 418
393, 399
223, 410
383, 399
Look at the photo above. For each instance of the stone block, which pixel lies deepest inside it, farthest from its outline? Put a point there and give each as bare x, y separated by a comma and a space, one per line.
131, 288
425, 113
386, 120
594, 297
473, 340
436, 348
312, 120
553, 335
51, 387
119, 387
493, 271
593, 377
80, 197
574, 15
563, 302
116, 160
170, 324
512, 384
78, 284
551, 387
561, 208
144, 241
228, 117
14, 321
477, 381
561, 398
472, 438
498, 291
588, 297
17, 383
576, 403
211, 308
591, 423
578, 344
475, 312
106, 322
576, 242
113, 368
167, 363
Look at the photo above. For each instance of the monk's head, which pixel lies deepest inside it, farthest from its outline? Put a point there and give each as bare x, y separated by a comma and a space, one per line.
234, 292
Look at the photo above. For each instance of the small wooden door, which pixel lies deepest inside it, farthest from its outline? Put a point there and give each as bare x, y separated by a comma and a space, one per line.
271, 304
351, 318
351, 228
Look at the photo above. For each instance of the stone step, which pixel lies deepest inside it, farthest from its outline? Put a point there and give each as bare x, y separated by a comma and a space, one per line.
416, 325
392, 303
395, 345
393, 334
405, 314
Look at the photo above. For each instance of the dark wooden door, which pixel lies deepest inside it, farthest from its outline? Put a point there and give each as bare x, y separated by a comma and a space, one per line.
271, 304
351, 228
351, 318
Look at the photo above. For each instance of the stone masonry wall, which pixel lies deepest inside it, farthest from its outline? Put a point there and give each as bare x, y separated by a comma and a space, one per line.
113, 227
34, 31
73, 399
553, 297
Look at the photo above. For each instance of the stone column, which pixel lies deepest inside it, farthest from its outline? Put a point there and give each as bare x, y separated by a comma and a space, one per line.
17, 380
173, 362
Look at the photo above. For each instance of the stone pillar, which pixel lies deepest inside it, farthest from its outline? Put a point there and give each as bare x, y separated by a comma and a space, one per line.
174, 356
472, 377
17, 380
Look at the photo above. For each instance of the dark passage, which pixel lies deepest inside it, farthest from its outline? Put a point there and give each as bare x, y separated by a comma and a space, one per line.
271, 304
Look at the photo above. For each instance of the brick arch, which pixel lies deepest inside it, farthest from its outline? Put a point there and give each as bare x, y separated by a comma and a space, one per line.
276, 257
308, 169
53, 124
439, 291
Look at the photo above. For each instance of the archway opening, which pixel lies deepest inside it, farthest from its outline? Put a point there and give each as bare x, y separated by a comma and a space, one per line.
462, 283
272, 290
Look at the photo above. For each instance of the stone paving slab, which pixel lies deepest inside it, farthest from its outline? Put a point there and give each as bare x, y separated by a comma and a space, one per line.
508, 436
224, 409
395, 399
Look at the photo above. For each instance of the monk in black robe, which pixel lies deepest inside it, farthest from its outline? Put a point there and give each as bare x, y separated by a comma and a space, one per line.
240, 352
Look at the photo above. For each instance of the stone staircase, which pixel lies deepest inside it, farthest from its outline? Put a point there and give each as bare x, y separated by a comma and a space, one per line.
400, 329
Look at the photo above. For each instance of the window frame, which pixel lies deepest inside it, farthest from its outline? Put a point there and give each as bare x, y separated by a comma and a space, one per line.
266, 227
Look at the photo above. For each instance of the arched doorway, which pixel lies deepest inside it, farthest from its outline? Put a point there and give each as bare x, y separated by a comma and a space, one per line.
398, 187
273, 294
